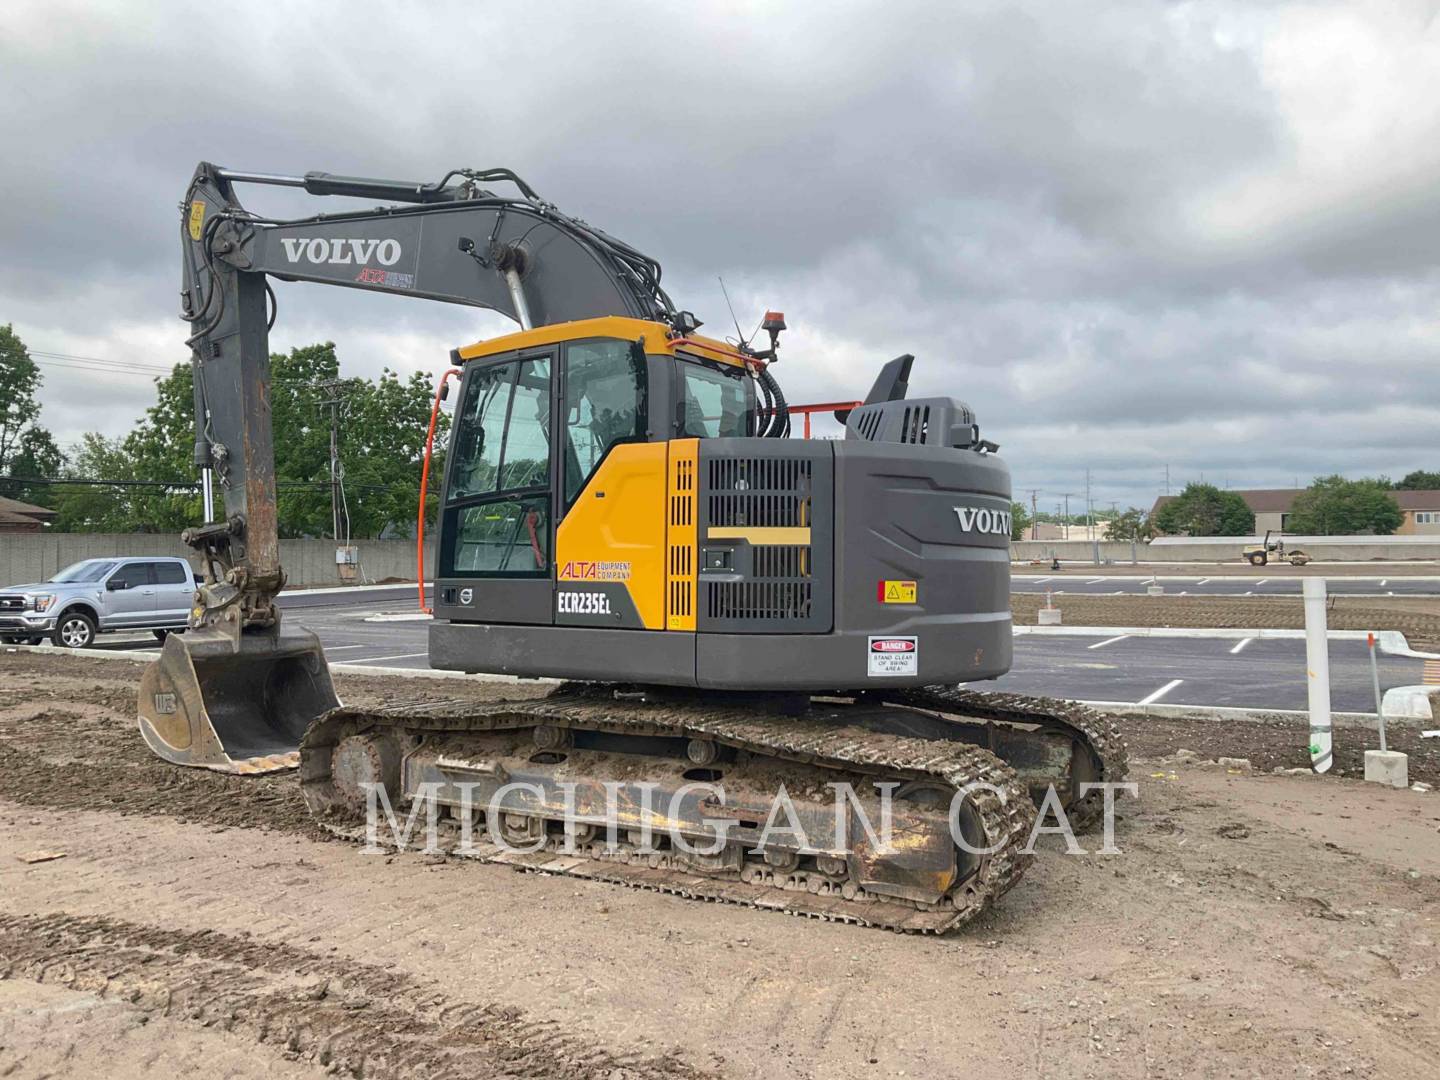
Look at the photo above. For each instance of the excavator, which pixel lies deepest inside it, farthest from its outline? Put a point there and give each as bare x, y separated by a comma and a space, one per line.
722, 608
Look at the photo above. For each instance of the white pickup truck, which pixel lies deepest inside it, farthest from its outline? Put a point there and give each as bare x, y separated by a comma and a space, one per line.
99, 596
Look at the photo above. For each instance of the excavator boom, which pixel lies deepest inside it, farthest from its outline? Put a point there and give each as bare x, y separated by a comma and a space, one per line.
236, 691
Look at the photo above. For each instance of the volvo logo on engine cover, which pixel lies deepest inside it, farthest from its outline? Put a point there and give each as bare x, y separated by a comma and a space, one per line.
983, 521
321, 251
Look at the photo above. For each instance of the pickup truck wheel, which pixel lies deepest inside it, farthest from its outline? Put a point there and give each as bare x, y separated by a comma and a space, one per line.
161, 635
74, 630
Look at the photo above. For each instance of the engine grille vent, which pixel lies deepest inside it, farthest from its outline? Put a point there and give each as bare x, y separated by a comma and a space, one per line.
750, 600
680, 548
915, 424
760, 492
768, 517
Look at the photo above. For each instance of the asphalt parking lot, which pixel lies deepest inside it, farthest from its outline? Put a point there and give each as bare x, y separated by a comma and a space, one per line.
1226, 585
383, 628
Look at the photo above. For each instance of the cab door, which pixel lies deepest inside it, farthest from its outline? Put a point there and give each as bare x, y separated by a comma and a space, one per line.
497, 523
129, 596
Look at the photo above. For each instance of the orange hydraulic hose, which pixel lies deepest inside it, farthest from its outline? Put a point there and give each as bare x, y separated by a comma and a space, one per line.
425, 486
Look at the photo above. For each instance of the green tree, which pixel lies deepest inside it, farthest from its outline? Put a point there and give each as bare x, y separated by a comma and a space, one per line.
382, 441
1205, 510
1419, 480
26, 449
91, 508
1131, 524
1334, 506
1019, 521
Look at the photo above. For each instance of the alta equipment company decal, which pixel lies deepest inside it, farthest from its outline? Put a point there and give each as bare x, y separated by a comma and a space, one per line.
894, 656
581, 570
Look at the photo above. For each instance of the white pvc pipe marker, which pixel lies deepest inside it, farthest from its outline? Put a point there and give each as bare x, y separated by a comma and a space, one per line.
1317, 667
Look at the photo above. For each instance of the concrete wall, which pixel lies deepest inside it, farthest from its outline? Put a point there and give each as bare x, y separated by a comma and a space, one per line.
26, 557
1211, 549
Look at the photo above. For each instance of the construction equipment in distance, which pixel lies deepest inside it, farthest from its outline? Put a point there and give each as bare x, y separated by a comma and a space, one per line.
1260, 554
621, 509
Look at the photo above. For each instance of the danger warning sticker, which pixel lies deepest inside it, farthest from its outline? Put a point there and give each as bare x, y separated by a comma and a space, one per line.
894, 656
895, 592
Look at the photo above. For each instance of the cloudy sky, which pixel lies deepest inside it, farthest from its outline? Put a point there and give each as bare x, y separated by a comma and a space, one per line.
1130, 235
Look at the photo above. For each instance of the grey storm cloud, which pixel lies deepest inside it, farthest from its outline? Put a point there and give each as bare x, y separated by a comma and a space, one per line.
1131, 235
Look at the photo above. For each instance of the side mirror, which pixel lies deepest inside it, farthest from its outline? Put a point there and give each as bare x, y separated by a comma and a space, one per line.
116, 584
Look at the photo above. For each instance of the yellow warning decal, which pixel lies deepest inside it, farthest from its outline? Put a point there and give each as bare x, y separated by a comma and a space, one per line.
895, 592
197, 217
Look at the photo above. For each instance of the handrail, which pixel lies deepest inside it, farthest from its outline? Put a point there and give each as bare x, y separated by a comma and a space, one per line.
824, 406
425, 486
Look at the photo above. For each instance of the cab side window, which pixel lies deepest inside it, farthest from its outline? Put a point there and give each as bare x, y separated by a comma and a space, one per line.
130, 576
170, 573
716, 402
605, 403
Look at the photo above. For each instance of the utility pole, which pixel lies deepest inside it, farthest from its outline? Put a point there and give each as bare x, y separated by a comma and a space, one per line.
1090, 520
1167, 479
1065, 517
334, 400
1034, 515
1089, 527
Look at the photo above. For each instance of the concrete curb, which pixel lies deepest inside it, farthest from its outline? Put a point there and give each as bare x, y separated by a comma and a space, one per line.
341, 590
1399, 703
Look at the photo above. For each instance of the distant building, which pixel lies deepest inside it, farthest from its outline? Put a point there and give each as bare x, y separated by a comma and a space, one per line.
16, 516
1272, 509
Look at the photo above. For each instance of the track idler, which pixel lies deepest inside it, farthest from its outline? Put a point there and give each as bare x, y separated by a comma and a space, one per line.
234, 704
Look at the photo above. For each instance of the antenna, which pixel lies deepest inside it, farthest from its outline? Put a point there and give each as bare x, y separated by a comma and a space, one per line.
726, 292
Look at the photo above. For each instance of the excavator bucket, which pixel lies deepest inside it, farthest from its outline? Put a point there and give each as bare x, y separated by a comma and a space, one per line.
206, 704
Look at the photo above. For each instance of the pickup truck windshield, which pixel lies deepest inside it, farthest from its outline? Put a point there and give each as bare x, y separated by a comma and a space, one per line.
89, 570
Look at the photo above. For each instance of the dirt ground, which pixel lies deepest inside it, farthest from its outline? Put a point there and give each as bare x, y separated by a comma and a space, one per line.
1253, 925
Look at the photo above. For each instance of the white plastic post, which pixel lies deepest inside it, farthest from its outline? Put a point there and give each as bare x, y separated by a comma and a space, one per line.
1317, 667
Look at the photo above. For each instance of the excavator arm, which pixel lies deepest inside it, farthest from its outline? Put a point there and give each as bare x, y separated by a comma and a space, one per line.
236, 692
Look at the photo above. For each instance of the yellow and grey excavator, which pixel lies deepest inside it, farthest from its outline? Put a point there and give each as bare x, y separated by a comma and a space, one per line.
622, 510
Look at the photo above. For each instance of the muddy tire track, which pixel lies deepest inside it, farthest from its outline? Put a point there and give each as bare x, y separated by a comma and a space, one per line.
351, 1019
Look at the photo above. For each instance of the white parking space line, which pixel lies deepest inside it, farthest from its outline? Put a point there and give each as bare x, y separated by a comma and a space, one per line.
1038, 580
337, 648
1158, 694
403, 656
1202, 581
1241, 644
1095, 581
1107, 641
1384, 582
1262, 581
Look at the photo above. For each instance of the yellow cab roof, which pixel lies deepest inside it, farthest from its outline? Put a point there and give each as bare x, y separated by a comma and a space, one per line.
656, 337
